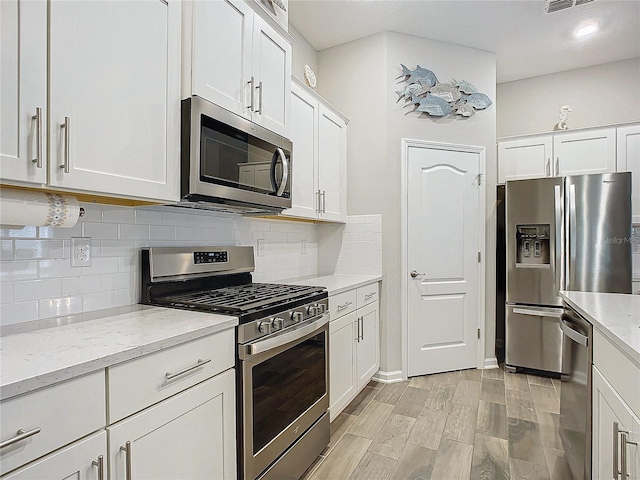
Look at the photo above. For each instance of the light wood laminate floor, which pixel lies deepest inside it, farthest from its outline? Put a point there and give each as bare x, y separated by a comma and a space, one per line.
467, 425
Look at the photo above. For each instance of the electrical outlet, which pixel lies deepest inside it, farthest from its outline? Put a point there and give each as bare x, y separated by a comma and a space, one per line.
304, 247
80, 251
261, 247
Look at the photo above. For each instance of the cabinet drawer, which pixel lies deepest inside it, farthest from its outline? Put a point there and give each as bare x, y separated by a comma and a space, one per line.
618, 369
341, 304
136, 384
63, 412
367, 294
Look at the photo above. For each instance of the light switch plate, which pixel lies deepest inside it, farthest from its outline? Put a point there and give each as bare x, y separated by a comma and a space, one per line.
81, 252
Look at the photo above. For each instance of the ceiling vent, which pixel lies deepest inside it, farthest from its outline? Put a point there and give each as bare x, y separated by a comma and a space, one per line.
551, 6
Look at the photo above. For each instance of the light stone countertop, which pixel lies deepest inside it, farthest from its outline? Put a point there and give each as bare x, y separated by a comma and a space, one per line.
616, 316
41, 357
335, 283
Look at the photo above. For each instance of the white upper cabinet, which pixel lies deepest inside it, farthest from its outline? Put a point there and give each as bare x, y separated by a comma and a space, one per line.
592, 151
558, 154
235, 59
525, 158
319, 136
23, 90
628, 160
113, 124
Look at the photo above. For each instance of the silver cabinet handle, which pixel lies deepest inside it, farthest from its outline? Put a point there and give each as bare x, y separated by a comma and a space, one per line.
369, 295
358, 330
615, 451
127, 450
324, 201
20, 435
252, 94
343, 306
414, 274
65, 125
198, 364
548, 168
557, 166
100, 464
259, 109
38, 118
361, 328
624, 441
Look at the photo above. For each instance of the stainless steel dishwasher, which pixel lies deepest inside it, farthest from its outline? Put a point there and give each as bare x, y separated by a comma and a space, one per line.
575, 392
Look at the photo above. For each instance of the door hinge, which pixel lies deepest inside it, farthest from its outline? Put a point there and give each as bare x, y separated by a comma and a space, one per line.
479, 179
479, 257
478, 334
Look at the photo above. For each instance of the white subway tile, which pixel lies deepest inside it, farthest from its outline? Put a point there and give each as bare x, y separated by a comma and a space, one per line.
176, 219
58, 268
116, 248
148, 217
134, 232
6, 249
60, 233
101, 266
128, 296
161, 232
57, 307
19, 232
6, 292
99, 301
35, 249
100, 231
12, 313
118, 215
92, 213
18, 270
35, 289
186, 233
129, 263
72, 286
118, 281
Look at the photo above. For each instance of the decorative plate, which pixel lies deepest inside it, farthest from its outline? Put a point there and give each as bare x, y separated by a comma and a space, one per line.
309, 76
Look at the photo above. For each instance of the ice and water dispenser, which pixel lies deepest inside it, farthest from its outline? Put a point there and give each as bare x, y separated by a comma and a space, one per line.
532, 245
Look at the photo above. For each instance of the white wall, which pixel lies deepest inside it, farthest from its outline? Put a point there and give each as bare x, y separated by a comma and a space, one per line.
303, 54
599, 95
360, 79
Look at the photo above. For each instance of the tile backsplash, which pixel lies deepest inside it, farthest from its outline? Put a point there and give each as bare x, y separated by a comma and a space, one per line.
38, 282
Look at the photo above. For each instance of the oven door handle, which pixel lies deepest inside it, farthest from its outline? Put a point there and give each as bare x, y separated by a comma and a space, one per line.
246, 351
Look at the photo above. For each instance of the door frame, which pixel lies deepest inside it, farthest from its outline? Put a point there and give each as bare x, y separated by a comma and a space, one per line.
406, 144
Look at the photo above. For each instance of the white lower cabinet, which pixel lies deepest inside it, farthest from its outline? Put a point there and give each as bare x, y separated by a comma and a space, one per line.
354, 351
83, 460
190, 435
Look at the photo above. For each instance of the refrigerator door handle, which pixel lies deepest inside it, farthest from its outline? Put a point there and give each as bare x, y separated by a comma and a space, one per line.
558, 251
538, 313
571, 240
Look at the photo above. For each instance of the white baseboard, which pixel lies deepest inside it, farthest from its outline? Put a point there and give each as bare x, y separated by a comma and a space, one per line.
388, 377
491, 362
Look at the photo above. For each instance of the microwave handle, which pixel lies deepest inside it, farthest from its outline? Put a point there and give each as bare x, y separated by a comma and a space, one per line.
285, 171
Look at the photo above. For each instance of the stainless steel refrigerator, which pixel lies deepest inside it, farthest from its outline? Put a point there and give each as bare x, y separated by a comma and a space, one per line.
571, 233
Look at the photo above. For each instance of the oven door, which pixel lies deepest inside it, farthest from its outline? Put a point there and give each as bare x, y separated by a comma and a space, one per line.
285, 382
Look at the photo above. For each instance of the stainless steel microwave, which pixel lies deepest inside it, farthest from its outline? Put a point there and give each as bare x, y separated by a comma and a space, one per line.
227, 159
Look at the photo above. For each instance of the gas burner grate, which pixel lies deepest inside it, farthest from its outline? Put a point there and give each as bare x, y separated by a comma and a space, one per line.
242, 298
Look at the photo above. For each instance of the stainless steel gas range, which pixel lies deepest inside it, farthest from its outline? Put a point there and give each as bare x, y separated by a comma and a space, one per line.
282, 351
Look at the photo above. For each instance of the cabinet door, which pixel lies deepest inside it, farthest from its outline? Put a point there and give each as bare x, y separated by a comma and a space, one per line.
585, 152
190, 435
74, 461
628, 160
608, 408
526, 158
342, 366
114, 74
332, 148
272, 71
23, 90
221, 63
367, 347
633, 451
304, 130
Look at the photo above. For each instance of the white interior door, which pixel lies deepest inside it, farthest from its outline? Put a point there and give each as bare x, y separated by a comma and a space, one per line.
443, 241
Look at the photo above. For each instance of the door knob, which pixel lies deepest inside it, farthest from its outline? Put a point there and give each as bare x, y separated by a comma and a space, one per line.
414, 274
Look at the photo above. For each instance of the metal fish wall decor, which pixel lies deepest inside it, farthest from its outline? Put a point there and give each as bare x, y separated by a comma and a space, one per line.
438, 99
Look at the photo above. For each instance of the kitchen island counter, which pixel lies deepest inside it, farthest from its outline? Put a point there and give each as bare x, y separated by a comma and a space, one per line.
616, 316
64, 348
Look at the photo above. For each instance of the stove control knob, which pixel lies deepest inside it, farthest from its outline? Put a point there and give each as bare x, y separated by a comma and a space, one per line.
322, 308
265, 327
278, 323
312, 310
297, 317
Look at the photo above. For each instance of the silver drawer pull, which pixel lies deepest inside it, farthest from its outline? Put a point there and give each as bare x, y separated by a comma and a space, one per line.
66, 127
100, 464
21, 435
342, 307
38, 118
127, 455
169, 376
369, 295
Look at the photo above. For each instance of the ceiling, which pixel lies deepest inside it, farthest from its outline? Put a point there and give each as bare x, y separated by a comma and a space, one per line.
527, 41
